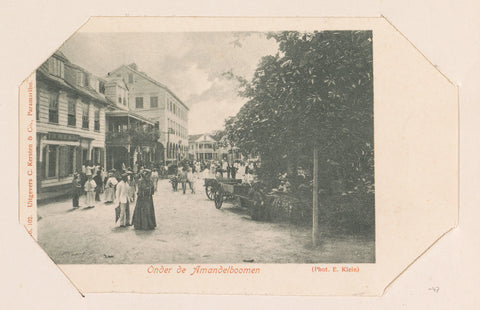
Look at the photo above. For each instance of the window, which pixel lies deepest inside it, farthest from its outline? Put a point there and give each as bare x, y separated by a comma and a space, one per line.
72, 112
53, 108
101, 87
124, 101
119, 99
130, 78
56, 67
85, 116
80, 78
51, 161
71, 160
139, 102
153, 102
96, 124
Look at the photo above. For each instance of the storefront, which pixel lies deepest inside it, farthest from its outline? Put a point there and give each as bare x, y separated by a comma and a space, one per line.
59, 156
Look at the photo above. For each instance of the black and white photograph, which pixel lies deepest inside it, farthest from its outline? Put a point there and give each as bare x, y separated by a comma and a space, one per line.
207, 148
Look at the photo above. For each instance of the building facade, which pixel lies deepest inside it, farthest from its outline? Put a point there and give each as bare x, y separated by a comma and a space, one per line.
123, 119
130, 137
70, 114
204, 147
156, 102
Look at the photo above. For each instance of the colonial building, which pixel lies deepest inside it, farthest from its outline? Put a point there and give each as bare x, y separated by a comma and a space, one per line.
157, 102
130, 137
70, 114
204, 147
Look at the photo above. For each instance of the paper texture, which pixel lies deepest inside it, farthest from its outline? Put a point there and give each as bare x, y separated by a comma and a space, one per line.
416, 170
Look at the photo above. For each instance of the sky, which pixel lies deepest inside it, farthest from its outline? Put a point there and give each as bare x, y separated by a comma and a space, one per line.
190, 64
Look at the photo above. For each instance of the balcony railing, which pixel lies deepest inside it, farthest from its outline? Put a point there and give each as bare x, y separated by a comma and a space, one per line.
134, 136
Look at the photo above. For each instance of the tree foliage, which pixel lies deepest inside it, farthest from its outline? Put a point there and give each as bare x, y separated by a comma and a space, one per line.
317, 89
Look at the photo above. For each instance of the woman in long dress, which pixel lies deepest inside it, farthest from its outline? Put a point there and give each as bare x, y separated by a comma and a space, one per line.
110, 188
144, 214
90, 186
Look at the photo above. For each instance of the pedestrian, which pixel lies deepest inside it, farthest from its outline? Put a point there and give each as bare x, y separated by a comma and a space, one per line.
229, 170
191, 178
90, 186
98, 180
110, 187
77, 190
122, 198
144, 213
154, 179
182, 176
89, 169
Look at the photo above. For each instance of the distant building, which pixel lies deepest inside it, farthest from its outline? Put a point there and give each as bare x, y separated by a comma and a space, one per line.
202, 147
157, 102
206, 147
70, 114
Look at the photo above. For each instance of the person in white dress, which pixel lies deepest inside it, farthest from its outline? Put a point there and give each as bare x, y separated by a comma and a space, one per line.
110, 188
89, 187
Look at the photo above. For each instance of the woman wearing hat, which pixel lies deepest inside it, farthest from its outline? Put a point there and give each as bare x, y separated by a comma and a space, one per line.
144, 214
110, 187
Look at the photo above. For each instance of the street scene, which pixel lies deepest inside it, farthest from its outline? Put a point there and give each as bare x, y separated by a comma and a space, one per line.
222, 147
189, 230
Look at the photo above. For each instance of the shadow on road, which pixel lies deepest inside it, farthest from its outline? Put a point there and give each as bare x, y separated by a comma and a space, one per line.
144, 233
86, 208
236, 210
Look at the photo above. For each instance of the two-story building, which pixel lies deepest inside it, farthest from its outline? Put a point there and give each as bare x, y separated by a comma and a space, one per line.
70, 127
130, 137
204, 147
155, 101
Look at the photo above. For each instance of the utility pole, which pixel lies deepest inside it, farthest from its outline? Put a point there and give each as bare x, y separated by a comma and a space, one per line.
315, 196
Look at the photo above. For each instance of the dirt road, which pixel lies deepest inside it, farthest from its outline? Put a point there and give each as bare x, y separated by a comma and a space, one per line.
189, 230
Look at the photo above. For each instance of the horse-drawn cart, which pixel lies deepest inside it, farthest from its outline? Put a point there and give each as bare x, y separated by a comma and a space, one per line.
212, 184
246, 195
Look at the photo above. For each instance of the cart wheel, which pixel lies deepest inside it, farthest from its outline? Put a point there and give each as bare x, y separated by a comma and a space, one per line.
210, 191
218, 198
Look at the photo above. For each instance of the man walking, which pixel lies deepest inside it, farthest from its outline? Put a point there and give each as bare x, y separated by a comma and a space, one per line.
122, 197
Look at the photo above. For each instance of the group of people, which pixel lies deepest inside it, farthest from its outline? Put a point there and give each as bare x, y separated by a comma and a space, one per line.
238, 170
125, 188
184, 175
189, 172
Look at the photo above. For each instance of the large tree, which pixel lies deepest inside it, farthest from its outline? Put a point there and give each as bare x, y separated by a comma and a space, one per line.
317, 89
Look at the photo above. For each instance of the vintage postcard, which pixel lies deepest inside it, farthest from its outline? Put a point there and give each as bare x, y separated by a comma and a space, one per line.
279, 156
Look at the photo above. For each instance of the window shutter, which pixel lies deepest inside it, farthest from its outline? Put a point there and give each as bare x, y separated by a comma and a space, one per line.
78, 159
63, 161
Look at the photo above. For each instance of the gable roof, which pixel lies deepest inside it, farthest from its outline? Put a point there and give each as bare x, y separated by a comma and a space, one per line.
201, 137
145, 76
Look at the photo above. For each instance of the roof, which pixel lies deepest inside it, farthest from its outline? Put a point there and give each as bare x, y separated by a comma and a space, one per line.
129, 114
92, 94
145, 76
195, 138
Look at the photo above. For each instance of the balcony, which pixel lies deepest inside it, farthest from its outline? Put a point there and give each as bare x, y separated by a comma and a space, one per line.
133, 136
